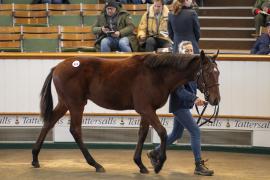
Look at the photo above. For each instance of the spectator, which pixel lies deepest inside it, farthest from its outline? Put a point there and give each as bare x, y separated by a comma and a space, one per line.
181, 101
262, 44
136, 1
50, 2
152, 30
183, 25
114, 29
195, 3
261, 11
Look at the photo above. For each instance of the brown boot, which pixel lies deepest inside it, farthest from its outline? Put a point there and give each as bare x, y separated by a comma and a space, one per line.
201, 169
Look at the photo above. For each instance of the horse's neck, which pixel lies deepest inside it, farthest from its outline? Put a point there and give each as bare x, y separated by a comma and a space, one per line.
177, 78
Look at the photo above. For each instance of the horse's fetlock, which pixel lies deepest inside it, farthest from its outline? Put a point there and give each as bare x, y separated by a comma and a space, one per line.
137, 160
35, 151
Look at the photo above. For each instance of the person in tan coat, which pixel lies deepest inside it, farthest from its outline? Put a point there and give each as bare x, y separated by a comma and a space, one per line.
152, 30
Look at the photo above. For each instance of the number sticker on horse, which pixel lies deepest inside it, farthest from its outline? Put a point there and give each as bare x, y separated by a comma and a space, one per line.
76, 63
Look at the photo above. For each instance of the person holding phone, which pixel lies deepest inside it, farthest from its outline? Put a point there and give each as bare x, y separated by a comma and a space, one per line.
114, 29
261, 11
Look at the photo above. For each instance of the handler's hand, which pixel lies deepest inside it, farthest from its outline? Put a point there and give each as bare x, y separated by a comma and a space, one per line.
199, 102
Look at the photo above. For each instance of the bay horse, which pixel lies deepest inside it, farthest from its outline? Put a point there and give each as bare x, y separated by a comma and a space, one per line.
140, 82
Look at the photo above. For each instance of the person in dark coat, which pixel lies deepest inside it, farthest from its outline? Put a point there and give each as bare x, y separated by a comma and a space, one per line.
262, 44
183, 25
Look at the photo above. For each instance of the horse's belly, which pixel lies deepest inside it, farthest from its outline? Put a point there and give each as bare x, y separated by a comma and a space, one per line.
113, 102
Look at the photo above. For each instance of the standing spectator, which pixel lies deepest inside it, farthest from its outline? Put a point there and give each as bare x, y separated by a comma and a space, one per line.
152, 30
114, 30
181, 101
262, 44
183, 25
261, 11
50, 2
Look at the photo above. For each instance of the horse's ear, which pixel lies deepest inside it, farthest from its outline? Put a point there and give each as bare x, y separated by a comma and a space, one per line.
202, 55
215, 56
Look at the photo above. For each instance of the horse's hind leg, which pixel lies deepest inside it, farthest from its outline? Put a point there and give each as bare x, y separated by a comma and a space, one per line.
76, 131
144, 127
58, 112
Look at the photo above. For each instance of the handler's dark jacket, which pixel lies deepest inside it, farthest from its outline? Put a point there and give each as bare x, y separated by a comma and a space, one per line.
183, 97
124, 26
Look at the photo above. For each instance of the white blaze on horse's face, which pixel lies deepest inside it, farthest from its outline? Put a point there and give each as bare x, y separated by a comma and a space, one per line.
212, 85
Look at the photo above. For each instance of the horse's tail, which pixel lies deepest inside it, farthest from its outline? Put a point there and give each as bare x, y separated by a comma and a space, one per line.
46, 101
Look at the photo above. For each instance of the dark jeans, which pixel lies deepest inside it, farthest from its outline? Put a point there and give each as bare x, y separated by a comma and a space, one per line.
183, 119
152, 44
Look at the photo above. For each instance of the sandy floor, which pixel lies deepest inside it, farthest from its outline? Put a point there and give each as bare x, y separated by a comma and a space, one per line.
70, 164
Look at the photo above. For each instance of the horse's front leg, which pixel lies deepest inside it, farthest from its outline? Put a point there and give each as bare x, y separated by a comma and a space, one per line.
143, 131
156, 124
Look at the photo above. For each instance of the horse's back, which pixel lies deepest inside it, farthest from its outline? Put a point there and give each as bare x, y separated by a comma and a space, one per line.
106, 82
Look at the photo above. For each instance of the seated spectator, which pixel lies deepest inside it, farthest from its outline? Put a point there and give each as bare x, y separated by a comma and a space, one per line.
114, 29
195, 3
261, 11
50, 2
152, 30
136, 1
262, 44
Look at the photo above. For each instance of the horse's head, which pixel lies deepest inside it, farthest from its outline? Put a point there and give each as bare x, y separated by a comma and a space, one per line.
208, 78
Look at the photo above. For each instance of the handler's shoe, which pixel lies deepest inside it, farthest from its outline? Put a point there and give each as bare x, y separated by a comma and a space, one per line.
201, 169
153, 156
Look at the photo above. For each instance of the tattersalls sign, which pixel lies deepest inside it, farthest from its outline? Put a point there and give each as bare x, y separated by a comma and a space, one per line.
131, 121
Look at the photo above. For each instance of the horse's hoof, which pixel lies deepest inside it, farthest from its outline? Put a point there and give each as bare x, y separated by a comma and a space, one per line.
35, 164
144, 171
100, 169
158, 168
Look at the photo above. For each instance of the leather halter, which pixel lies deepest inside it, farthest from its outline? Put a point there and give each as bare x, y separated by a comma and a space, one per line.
205, 90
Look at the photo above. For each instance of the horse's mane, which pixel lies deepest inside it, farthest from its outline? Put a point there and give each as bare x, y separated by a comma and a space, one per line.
179, 61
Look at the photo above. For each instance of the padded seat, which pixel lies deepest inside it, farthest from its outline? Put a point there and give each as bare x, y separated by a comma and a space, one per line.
30, 18
40, 43
78, 38
65, 18
40, 39
10, 39
90, 17
6, 18
30, 15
